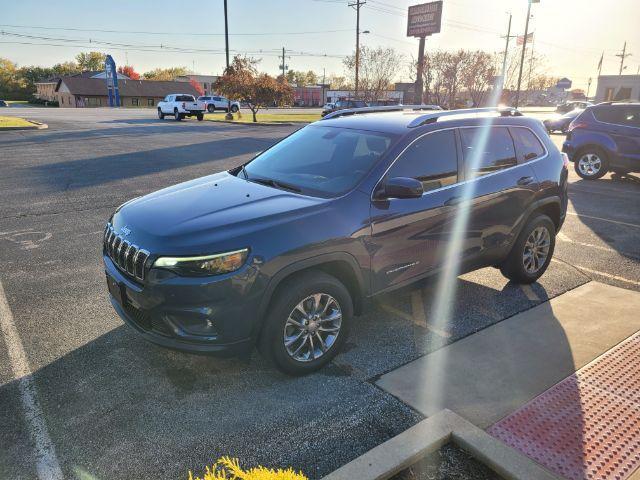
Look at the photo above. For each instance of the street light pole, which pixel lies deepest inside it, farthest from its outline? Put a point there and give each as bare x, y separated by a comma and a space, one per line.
524, 49
228, 116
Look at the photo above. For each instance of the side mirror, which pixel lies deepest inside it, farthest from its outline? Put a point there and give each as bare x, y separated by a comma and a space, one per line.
402, 187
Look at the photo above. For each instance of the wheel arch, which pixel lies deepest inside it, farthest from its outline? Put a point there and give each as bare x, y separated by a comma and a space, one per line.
340, 265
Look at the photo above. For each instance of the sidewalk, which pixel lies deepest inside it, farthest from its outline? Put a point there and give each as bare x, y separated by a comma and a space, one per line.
491, 374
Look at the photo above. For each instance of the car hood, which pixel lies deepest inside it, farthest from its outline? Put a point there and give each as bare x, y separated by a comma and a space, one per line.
210, 209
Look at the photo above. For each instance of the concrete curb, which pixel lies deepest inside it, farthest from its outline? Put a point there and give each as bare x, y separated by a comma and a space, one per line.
35, 126
402, 451
259, 124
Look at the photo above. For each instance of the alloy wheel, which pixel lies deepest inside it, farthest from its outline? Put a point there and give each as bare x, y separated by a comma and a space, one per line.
312, 327
590, 164
536, 249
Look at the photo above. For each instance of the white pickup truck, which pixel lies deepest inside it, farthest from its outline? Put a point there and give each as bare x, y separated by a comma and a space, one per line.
181, 105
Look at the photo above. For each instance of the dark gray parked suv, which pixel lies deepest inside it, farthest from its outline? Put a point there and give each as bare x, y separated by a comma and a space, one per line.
282, 251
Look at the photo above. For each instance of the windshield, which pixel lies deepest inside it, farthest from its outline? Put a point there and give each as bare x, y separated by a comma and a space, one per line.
323, 161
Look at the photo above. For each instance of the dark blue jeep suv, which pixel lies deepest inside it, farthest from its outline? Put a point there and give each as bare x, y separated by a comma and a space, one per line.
282, 251
603, 138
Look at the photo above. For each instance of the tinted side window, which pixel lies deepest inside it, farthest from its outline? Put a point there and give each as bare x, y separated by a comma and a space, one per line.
527, 144
432, 159
618, 114
184, 98
487, 151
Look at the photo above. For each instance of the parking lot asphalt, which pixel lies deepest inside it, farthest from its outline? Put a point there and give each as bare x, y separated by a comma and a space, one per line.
117, 407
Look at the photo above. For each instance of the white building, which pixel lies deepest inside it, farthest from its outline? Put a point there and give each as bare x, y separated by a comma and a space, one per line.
618, 87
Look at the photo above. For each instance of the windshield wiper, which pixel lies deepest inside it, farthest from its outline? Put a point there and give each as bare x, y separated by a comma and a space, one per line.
277, 184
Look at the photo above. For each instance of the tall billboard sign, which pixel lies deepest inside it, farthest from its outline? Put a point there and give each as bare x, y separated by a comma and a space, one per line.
424, 19
111, 76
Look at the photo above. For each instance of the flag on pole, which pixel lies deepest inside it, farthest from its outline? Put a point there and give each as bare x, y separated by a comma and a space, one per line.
520, 39
600, 62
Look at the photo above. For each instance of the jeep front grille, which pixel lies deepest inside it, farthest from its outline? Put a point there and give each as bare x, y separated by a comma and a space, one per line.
128, 257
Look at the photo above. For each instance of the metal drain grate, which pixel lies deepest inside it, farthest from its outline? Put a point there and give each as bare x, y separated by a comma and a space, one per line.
588, 425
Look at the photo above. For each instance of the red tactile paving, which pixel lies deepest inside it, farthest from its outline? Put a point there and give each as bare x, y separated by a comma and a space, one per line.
588, 425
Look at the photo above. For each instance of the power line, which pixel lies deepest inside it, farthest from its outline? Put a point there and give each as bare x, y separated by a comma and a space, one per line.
137, 32
148, 47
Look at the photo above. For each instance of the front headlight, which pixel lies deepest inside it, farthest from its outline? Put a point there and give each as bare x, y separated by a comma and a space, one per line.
204, 265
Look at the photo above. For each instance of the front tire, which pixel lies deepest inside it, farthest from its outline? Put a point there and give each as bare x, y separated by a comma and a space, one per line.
200, 117
160, 114
211, 108
591, 163
307, 323
531, 253
234, 109
177, 116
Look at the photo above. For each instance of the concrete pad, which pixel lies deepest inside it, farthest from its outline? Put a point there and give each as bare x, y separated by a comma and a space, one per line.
402, 451
489, 374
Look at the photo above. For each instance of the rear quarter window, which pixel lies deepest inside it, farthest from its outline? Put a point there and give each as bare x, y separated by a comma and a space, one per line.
528, 146
487, 151
627, 115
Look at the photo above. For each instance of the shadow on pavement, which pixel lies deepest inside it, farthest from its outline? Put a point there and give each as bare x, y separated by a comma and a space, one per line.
92, 171
624, 199
119, 407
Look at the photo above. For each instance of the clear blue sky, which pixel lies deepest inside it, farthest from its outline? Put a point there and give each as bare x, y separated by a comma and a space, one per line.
571, 34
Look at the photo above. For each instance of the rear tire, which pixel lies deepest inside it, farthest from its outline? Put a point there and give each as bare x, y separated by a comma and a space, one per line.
307, 323
200, 117
532, 251
176, 115
160, 114
234, 108
591, 163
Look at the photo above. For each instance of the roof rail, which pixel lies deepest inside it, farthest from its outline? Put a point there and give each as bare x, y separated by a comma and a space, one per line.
383, 108
433, 117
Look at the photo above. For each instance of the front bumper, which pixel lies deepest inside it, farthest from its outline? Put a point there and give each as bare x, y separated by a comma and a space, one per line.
199, 315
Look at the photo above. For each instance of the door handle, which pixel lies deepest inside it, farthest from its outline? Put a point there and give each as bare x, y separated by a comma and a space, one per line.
453, 201
525, 180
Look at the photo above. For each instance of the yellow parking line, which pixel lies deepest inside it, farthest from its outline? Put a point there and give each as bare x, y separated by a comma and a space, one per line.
617, 222
597, 272
418, 316
528, 291
564, 238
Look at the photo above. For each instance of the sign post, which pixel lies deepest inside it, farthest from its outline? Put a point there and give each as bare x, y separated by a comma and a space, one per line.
111, 76
423, 20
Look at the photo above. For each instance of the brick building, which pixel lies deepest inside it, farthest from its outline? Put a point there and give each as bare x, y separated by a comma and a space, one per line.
81, 92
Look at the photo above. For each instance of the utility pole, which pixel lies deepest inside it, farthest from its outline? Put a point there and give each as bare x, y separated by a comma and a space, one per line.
357, 5
588, 89
506, 52
622, 56
228, 116
524, 49
284, 67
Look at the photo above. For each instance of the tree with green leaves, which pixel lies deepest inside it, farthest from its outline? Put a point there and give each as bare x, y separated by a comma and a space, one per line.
241, 81
165, 73
301, 79
91, 61
12, 85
